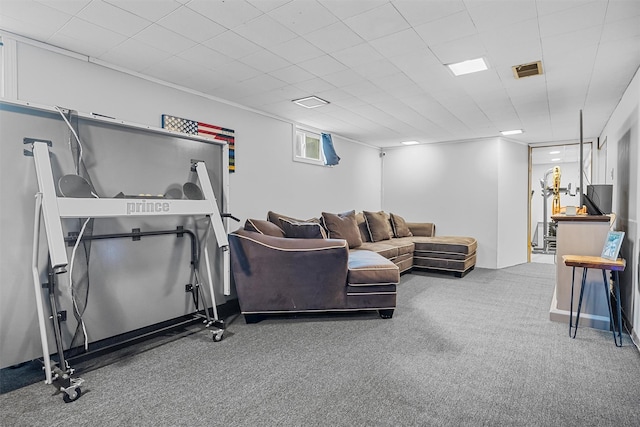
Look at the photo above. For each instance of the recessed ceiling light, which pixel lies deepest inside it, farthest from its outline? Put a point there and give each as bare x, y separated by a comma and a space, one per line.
470, 66
310, 102
410, 142
554, 152
556, 159
511, 132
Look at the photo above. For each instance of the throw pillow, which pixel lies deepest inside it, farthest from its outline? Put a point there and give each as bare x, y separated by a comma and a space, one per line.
263, 227
303, 230
343, 226
378, 225
275, 218
362, 226
400, 227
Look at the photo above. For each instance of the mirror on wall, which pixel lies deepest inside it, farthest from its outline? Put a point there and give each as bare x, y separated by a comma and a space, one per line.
555, 182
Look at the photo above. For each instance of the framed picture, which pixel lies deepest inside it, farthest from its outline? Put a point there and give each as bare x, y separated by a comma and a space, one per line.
612, 245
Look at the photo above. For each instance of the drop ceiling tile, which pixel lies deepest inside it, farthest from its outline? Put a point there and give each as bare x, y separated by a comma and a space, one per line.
446, 29
191, 24
420, 12
357, 55
84, 37
346, 9
135, 55
303, 16
173, 70
267, 5
343, 78
113, 18
511, 35
265, 61
377, 69
322, 65
233, 45
314, 86
567, 63
459, 50
502, 59
392, 82
556, 6
233, 92
205, 57
39, 20
292, 74
334, 37
567, 42
491, 14
296, 50
263, 83
151, 10
164, 39
378, 22
265, 31
67, 6
577, 18
621, 29
334, 95
237, 71
400, 43
362, 88
617, 10
229, 14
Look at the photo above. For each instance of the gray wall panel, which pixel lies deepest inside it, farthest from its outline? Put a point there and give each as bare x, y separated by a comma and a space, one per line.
132, 284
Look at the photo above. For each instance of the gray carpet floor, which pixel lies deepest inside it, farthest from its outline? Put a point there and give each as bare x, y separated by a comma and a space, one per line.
480, 350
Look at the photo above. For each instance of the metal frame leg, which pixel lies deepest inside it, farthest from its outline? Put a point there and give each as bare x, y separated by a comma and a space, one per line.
584, 280
616, 285
573, 279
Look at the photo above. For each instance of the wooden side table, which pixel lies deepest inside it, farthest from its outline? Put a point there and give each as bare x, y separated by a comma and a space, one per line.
587, 262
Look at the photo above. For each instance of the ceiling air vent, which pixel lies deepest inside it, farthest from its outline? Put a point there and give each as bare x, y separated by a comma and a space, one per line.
527, 70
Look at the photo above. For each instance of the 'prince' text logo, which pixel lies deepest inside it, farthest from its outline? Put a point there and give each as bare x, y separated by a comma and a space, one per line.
147, 207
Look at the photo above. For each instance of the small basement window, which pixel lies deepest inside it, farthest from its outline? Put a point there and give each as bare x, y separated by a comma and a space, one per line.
307, 148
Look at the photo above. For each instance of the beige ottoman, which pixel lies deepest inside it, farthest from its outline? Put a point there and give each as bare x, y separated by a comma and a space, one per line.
445, 253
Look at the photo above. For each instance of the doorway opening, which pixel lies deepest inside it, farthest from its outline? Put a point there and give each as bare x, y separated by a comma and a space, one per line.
554, 174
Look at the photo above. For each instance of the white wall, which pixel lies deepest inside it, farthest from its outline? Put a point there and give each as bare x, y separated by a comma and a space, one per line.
513, 177
461, 187
622, 134
266, 176
266, 179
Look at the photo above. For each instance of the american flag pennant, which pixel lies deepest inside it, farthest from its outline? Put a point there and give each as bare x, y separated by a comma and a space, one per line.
193, 127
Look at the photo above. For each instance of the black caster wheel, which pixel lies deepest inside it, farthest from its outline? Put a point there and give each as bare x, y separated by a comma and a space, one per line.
72, 395
217, 337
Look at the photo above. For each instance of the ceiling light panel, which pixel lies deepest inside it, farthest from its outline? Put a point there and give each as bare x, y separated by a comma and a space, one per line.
469, 66
310, 102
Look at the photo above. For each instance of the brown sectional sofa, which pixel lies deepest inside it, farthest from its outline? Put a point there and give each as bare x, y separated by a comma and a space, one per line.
286, 265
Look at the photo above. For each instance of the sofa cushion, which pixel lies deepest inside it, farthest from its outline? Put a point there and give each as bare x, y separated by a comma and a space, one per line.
342, 226
368, 268
303, 230
404, 244
263, 227
399, 226
378, 225
384, 248
275, 218
446, 245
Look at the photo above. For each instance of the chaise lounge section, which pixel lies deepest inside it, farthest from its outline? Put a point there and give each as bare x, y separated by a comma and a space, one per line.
338, 262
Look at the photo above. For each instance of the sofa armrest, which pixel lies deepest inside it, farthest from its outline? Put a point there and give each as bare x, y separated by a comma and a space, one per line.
426, 229
283, 274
